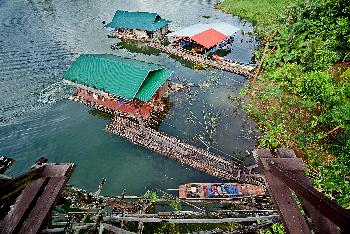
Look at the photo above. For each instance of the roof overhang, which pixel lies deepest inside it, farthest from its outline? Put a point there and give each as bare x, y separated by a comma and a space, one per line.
222, 27
209, 38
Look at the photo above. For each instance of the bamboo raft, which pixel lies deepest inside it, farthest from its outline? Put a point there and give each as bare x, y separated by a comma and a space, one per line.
245, 70
171, 147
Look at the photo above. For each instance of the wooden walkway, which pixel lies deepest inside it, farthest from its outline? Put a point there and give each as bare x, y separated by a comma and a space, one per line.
245, 70
171, 147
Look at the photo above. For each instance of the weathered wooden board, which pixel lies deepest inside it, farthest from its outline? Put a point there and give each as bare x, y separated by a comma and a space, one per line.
37, 199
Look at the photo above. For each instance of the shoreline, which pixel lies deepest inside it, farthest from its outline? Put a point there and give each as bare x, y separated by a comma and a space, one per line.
288, 117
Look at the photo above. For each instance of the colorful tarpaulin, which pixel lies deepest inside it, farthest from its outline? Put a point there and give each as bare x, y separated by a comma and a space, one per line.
119, 76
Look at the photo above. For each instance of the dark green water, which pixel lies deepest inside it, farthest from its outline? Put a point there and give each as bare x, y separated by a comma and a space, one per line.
38, 42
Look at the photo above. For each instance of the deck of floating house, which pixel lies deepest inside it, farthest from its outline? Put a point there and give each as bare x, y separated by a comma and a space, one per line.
203, 38
138, 25
118, 84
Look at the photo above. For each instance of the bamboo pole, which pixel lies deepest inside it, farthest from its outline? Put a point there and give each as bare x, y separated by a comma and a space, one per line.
158, 220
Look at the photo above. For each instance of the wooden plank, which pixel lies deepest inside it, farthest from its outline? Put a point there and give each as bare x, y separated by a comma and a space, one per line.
43, 205
12, 186
320, 222
292, 164
115, 229
60, 170
291, 217
18, 210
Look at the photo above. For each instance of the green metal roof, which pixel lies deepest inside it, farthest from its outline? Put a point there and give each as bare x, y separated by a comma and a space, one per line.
137, 20
119, 76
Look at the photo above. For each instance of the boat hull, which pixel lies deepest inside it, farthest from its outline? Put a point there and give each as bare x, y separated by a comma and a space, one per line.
218, 191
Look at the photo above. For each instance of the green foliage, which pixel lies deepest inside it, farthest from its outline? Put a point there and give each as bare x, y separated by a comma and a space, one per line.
314, 33
176, 205
276, 228
172, 228
243, 91
151, 195
305, 41
333, 178
261, 12
318, 87
271, 138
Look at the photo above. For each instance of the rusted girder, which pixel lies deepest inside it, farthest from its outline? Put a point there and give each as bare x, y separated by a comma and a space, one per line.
327, 207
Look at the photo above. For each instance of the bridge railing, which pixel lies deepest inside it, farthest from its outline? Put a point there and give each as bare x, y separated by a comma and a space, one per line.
285, 176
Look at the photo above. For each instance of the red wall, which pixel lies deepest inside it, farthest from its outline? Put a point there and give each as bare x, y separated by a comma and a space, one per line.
131, 107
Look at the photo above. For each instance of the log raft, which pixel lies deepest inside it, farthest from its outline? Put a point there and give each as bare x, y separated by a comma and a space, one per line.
171, 147
245, 70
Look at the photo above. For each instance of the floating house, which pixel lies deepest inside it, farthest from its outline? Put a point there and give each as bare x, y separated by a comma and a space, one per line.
203, 37
141, 25
118, 84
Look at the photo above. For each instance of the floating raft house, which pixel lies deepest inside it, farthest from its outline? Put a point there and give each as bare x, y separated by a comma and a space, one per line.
118, 83
142, 24
206, 36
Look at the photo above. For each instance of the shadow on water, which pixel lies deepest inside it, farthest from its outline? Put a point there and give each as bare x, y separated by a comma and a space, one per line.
143, 48
188, 64
222, 52
135, 47
100, 114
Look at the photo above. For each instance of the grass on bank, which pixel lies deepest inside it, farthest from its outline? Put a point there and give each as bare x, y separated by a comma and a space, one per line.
301, 99
260, 12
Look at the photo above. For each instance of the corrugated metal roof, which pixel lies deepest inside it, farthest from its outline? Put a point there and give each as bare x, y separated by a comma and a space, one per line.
119, 76
137, 20
191, 31
209, 38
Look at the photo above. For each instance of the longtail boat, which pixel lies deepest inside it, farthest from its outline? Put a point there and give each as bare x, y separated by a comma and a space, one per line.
221, 191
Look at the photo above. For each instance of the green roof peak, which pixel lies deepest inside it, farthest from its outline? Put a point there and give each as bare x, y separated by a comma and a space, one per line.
119, 76
137, 20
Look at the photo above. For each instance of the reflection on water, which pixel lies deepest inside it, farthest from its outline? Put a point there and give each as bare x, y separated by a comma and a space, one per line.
38, 42
135, 47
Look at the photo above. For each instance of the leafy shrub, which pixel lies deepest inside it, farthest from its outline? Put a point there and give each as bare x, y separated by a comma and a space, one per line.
317, 86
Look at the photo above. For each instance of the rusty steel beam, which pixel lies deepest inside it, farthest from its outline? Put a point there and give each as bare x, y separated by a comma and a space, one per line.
327, 207
320, 224
291, 217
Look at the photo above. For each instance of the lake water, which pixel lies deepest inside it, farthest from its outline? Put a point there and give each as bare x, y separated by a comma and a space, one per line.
39, 40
